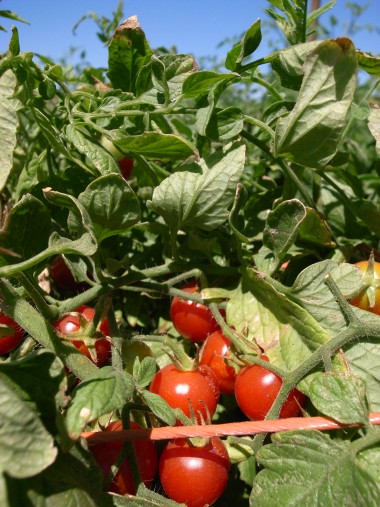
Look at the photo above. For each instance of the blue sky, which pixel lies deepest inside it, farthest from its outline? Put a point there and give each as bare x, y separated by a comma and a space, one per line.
193, 26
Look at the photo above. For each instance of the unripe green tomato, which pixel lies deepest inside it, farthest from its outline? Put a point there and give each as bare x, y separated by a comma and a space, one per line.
132, 349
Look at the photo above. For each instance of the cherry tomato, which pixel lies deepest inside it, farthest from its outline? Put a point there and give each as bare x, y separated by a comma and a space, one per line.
196, 476
63, 277
70, 324
361, 300
107, 453
176, 387
215, 349
126, 166
13, 339
256, 388
193, 321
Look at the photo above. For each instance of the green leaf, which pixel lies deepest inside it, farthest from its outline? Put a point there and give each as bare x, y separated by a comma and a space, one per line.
26, 230
364, 361
374, 126
103, 392
341, 396
159, 407
154, 145
128, 52
111, 204
146, 371
38, 379
200, 198
102, 160
26, 448
309, 468
226, 124
245, 47
8, 124
288, 64
201, 82
314, 15
159, 78
310, 134
369, 63
280, 232
73, 479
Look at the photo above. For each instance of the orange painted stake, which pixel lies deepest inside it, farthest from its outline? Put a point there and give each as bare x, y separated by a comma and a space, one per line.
222, 430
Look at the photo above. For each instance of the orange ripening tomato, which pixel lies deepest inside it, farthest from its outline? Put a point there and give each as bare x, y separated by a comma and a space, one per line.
362, 300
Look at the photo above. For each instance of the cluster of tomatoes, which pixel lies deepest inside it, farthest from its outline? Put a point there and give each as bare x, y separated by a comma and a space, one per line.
195, 390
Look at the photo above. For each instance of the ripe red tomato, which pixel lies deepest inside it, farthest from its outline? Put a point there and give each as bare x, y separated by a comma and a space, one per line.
63, 277
176, 387
215, 349
107, 453
11, 340
256, 388
193, 321
70, 324
361, 300
126, 166
196, 476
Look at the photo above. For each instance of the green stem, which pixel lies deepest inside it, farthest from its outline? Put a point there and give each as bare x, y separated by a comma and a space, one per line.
261, 124
47, 311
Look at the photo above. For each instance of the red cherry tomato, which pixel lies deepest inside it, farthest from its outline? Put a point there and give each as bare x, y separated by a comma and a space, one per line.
71, 323
195, 476
63, 277
193, 321
13, 339
126, 166
107, 453
176, 387
215, 349
361, 300
256, 388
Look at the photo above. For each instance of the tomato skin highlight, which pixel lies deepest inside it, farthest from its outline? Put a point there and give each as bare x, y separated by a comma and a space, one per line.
215, 349
107, 453
196, 476
256, 388
176, 387
192, 320
361, 300
71, 323
10, 341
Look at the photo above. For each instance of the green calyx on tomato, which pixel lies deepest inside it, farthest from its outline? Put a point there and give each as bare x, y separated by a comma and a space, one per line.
369, 298
73, 326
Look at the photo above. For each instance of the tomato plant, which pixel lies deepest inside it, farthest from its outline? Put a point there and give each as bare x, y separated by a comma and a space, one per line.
11, 339
205, 469
177, 388
194, 321
365, 300
256, 388
106, 455
214, 352
259, 178
71, 324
